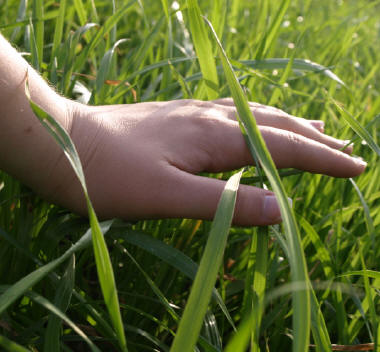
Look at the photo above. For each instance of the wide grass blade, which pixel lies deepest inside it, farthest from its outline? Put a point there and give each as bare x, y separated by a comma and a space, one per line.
203, 49
301, 299
196, 307
102, 257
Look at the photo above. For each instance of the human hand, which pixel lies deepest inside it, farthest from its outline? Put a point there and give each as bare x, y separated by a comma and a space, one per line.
141, 161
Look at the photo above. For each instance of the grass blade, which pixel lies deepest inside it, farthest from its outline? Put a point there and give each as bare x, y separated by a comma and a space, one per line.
259, 283
355, 125
203, 49
11, 346
171, 256
58, 30
55, 310
38, 14
20, 287
270, 36
196, 307
81, 12
102, 257
62, 302
104, 30
104, 69
301, 299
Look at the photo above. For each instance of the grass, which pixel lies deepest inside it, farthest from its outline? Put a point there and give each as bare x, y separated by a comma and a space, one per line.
316, 59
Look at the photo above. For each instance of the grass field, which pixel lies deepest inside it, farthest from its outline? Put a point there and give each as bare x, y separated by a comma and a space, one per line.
311, 284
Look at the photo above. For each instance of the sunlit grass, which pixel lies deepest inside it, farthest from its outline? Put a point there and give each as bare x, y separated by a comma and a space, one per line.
316, 59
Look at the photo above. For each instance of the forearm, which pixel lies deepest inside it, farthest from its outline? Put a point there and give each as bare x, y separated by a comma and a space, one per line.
27, 151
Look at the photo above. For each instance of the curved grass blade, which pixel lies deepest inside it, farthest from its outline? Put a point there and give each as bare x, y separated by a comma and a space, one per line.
301, 298
196, 307
104, 69
151, 283
55, 310
355, 125
368, 273
102, 257
298, 64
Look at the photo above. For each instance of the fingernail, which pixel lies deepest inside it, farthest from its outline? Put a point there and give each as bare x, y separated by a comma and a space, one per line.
360, 160
271, 211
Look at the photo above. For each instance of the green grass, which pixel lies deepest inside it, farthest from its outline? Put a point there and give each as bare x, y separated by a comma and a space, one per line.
316, 59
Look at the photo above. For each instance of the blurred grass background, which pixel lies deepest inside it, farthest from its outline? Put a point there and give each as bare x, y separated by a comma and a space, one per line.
76, 46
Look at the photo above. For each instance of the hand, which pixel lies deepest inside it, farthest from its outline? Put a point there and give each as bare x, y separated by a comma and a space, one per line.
141, 160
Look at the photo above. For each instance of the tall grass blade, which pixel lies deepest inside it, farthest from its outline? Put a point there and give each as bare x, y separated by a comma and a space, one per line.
368, 219
81, 12
38, 14
62, 302
369, 295
21, 14
196, 307
58, 31
203, 49
259, 284
267, 41
301, 299
104, 70
102, 257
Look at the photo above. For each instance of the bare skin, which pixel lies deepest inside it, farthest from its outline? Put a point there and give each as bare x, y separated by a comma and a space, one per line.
141, 160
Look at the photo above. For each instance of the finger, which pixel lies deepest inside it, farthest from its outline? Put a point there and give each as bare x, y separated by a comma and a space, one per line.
227, 150
197, 197
318, 124
266, 117
289, 149
269, 116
